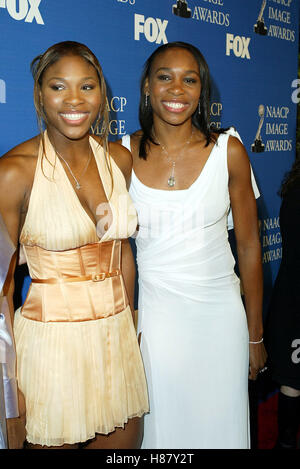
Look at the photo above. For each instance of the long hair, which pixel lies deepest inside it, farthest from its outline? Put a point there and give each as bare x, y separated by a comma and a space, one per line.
292, 177
40, 64
200, 120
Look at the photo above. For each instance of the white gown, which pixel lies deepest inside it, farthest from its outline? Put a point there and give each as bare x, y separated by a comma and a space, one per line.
194, 329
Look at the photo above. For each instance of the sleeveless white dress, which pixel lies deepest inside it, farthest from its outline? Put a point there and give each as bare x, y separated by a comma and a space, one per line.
194, 339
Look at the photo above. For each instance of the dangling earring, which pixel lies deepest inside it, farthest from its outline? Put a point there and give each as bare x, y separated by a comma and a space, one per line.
146, 99
199, 108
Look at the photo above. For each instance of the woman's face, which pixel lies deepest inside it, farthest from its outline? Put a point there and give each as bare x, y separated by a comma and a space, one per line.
71, 96
174, 86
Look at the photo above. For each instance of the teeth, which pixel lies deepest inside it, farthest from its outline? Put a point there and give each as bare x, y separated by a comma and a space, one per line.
73, 117
175, 105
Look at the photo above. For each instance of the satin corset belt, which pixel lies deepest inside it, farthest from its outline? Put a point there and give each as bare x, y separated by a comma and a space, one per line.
77, 285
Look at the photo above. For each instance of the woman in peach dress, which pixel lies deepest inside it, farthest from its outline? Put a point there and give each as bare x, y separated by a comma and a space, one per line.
64, 199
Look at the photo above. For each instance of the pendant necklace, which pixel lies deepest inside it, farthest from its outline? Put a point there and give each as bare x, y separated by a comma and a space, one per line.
171, 179
77, 183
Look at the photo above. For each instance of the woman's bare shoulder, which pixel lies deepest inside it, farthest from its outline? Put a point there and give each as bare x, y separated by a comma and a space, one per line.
20, 161
25, 149
135, 139
122, 157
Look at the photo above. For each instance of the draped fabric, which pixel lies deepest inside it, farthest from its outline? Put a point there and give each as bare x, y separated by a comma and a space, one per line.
233, 132
79, 378
64, 224
191, 317
78, 360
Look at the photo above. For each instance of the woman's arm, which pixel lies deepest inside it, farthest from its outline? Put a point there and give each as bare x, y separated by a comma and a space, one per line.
129, 273
248, 247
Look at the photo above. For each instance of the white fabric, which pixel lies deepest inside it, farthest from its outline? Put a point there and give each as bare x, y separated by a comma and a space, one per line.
230, 224
8, 360
193, 323
234, 133
8, 384
7, 346
3, 434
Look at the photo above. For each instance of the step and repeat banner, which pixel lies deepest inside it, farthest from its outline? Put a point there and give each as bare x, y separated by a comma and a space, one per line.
251, 47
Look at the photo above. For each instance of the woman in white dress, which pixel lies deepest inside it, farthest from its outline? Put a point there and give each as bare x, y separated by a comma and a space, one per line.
195, 334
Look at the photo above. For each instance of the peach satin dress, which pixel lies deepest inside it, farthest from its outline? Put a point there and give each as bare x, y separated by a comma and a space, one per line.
78, 359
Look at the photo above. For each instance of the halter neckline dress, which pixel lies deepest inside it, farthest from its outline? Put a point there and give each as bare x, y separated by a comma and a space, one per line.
78, 360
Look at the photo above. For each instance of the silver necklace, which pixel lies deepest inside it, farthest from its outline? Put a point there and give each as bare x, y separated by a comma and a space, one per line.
77, 183
171, 179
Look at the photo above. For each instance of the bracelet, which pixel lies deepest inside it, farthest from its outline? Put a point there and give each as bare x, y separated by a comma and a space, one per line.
258, 342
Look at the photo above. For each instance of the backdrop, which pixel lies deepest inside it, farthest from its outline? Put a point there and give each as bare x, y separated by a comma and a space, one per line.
251, 47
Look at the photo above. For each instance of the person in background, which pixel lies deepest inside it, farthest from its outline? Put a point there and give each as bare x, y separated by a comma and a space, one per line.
283, 320
196, 338
64, 199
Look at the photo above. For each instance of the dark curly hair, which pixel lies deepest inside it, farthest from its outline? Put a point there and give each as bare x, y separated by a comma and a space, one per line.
200, 121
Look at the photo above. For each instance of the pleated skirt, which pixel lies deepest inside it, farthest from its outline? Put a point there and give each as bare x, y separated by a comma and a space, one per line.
79, 378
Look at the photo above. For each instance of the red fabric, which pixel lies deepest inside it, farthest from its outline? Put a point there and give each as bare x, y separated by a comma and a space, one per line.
267, 423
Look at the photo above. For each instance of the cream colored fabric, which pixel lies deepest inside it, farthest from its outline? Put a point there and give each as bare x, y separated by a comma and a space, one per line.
56, 219
79, 378
78, 359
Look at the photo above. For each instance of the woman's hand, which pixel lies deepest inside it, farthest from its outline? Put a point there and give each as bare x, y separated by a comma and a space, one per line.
257, 358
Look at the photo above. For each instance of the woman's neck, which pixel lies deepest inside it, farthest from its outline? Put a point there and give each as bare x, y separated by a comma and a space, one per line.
172, 135
70, 150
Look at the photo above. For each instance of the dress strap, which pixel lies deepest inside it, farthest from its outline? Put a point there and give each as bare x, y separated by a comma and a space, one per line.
126, 142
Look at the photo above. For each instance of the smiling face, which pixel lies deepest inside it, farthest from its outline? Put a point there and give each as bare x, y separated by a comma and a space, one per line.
174, 86
71, 96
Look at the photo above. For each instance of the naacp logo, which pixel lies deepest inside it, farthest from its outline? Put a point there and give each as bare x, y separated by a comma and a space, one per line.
2, 92
258, 146
239, 45
212, 13
215, 114
259, 26
269, 229
276, 126
279, 21
114, 105
154, 29
28, 10
181, 9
